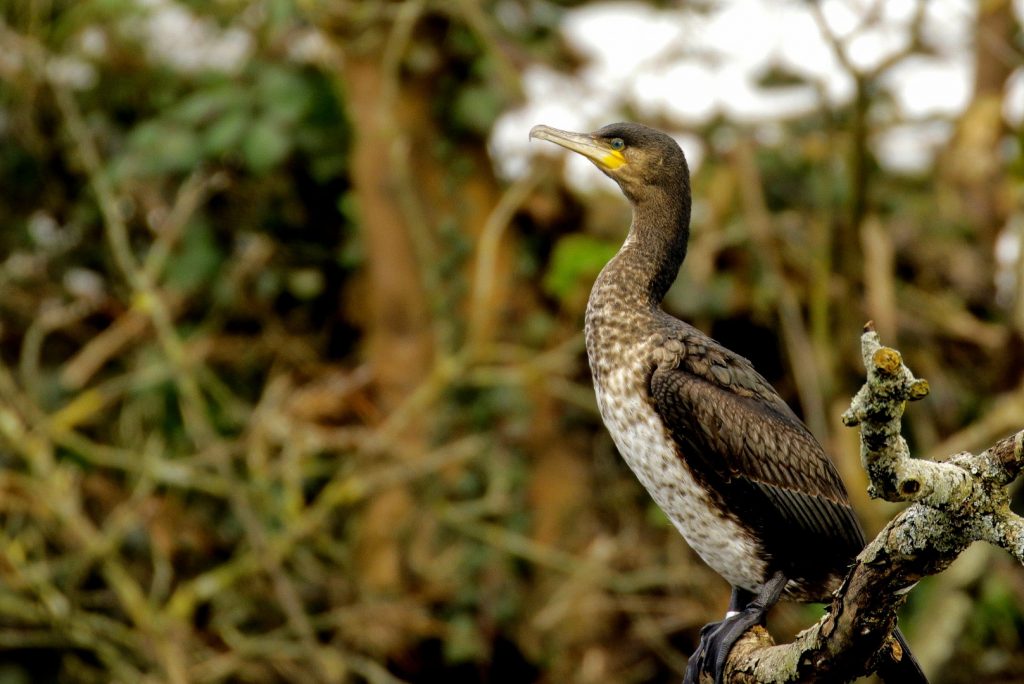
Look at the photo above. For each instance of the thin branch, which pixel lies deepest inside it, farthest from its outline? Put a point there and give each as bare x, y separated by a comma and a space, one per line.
145, 295
481, 313
191, 195
1007, 532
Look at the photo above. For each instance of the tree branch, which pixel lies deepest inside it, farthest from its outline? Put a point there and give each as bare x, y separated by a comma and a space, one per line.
953, 504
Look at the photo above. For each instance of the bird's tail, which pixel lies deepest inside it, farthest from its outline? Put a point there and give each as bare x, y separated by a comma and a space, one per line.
901, 667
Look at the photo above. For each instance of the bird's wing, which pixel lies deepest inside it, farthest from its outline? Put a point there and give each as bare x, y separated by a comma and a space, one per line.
746, 443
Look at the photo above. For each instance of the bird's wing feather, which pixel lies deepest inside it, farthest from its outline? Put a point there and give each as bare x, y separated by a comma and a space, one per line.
733, 427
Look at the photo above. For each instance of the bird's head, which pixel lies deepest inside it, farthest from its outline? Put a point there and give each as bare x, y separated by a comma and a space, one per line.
639, 158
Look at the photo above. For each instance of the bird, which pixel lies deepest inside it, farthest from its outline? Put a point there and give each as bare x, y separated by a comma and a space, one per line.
740, 476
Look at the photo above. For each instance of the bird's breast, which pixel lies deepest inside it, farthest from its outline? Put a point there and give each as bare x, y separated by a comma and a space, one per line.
620, 370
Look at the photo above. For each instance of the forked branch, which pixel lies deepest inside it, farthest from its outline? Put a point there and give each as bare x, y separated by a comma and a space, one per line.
953, 503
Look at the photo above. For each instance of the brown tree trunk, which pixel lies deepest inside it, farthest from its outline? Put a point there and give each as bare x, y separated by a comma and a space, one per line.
399, 343
413, 206
975, 167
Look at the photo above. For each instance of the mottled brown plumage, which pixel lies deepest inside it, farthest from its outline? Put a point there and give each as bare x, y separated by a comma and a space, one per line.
740, 476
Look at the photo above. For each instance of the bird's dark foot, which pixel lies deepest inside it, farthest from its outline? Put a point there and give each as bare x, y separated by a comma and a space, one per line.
717, 639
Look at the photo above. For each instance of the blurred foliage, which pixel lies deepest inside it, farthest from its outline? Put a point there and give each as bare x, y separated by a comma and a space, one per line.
292, 388
576, 260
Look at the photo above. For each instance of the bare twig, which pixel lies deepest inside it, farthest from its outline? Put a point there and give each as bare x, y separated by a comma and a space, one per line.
481, 313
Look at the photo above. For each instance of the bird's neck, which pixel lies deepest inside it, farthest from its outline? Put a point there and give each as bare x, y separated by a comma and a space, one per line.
647, 264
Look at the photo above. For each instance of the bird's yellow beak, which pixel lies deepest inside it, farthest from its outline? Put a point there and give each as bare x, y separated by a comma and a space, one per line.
592, 148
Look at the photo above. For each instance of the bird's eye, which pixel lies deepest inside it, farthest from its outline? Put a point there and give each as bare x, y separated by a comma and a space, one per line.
617, 143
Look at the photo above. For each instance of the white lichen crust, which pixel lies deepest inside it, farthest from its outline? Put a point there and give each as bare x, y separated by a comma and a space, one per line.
953, 504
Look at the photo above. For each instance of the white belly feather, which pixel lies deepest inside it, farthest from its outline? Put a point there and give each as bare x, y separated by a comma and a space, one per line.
651, 454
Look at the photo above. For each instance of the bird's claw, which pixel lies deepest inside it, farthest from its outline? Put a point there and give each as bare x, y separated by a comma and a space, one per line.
716, 640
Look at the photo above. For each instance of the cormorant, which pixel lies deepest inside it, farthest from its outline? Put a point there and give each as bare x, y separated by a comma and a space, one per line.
737, 472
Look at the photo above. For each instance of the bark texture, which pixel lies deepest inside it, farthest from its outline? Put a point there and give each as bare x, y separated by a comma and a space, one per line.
953, 504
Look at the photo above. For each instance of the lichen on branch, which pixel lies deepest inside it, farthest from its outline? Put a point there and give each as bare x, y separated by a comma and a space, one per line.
953, 504
878, 408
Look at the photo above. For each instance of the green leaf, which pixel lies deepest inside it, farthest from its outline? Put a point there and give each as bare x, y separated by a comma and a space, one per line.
281, 12
265, 146
205, 104
575, 263
196, 260
225, 134
477, 107
656, 517
164, 147
284, 96
463, 640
